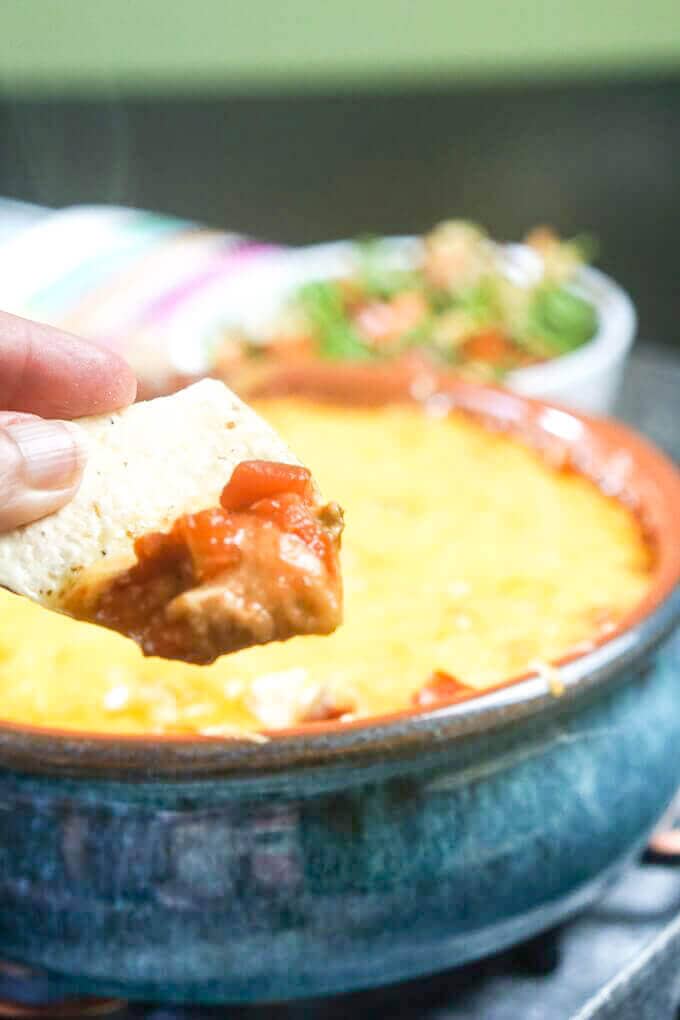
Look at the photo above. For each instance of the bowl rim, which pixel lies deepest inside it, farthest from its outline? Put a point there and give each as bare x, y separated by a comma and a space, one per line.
619, 460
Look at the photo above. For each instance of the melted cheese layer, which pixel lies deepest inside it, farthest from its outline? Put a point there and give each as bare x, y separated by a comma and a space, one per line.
462, 552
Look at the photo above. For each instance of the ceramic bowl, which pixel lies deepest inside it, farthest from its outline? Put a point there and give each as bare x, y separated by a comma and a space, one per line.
342, 856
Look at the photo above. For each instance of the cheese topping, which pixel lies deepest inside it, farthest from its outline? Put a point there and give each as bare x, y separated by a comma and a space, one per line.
463, 555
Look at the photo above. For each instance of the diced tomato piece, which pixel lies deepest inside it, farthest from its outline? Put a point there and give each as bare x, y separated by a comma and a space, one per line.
489, 345
155, 545
293, 515
442, 687
212, 538
254, 480
383, 321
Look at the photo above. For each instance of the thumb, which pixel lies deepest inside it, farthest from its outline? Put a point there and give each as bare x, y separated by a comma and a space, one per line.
41, 464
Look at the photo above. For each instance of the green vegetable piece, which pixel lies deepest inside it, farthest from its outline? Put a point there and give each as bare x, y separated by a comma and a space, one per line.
333, 333
561, 319
480, 302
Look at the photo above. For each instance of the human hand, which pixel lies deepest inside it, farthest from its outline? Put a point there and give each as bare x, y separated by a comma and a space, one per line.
46, 379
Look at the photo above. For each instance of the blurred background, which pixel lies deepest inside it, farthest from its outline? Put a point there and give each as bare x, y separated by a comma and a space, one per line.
301, 120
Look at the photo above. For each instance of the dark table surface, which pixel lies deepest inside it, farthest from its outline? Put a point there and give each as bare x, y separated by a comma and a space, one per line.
650, 396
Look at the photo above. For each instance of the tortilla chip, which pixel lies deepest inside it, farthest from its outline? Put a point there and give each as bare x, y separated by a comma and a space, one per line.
147, 465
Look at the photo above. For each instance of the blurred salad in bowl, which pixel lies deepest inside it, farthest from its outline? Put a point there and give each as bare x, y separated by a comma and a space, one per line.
453, 295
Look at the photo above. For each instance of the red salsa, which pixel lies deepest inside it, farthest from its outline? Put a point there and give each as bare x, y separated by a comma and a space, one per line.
244, 584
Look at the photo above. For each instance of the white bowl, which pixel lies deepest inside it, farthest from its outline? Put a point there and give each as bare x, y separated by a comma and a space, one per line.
587, 378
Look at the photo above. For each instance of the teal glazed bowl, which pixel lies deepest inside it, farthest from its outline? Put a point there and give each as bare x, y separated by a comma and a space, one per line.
344, 856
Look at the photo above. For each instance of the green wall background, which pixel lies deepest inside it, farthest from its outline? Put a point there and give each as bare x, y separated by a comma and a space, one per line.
179, 46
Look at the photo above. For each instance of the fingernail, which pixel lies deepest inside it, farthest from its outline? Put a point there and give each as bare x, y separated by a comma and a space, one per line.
51, 451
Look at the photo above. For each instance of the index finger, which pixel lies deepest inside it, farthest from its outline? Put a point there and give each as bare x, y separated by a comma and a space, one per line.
44, 371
